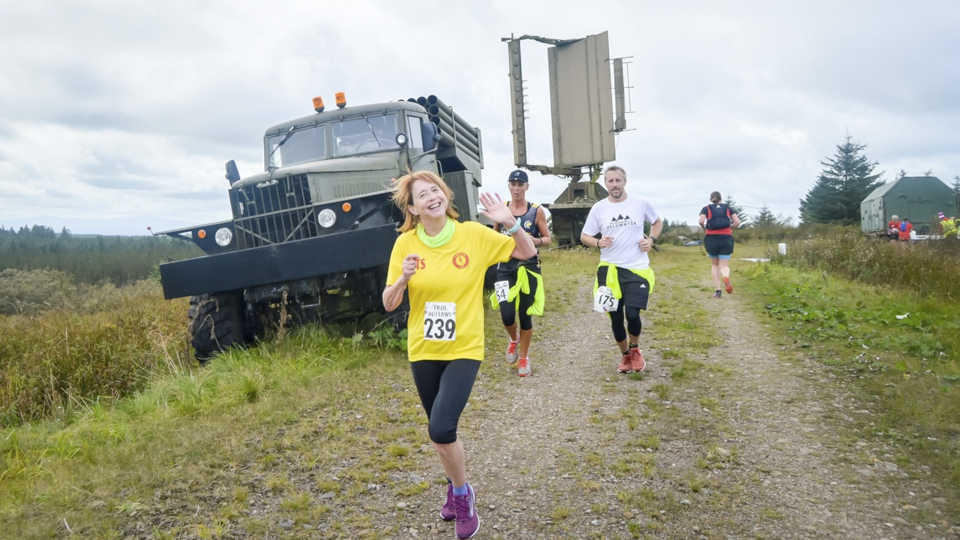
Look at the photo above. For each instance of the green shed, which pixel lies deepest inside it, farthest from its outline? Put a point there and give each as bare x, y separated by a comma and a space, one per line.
918, 198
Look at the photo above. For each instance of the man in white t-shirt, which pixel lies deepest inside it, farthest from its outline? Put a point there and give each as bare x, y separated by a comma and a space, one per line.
624, 276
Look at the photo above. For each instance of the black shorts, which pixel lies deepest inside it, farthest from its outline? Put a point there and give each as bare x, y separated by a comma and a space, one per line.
718, 244
635, 289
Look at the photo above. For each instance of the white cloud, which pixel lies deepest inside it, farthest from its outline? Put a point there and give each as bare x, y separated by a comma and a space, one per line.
118, 109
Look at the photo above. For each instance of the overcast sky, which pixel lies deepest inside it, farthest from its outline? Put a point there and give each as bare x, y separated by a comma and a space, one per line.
116, 115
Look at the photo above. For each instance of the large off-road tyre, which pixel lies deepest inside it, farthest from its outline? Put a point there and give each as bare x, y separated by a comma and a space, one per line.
216, 323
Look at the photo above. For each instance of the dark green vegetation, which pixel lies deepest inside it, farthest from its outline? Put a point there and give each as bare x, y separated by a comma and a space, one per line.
89, 259
846, 180
110, 342
83, 318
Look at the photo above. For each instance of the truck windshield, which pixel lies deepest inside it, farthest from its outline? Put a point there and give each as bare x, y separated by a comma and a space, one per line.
363, 135
370, 133
303, 145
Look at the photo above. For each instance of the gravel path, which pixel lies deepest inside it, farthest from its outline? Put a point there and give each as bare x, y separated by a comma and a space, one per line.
748, 441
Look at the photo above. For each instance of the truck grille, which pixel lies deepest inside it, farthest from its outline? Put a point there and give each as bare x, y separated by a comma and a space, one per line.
275, 212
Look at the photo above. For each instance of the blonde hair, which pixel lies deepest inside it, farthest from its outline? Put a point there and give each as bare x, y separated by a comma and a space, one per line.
715, 197
403, 197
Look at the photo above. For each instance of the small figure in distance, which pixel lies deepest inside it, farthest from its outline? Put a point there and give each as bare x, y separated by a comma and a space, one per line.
893, 228
905, 229
718, 221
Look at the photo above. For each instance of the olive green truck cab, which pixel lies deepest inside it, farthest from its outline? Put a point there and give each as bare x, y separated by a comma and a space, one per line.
311, 235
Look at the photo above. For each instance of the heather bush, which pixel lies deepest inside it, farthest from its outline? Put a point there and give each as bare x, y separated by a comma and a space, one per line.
28, 292
104, 343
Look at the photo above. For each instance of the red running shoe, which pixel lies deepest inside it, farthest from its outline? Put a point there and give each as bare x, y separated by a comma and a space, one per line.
636, 360
625, 364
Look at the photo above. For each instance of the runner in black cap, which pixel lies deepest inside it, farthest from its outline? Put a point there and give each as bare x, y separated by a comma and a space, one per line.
519, 285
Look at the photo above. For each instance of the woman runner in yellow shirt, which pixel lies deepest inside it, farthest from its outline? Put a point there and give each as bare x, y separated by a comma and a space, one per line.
441, 263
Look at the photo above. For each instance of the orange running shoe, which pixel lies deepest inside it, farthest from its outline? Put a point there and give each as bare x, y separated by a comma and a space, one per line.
726, 281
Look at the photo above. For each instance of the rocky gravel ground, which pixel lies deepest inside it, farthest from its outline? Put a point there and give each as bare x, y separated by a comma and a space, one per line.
749, 440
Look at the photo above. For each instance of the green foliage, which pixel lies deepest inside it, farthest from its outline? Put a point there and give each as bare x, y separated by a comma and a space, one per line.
244, 410
672, 226
385, 337
737, 209
926, 325
770, 227
90, 259
900, 348
28, 292
847, 179
106, 348
927, 268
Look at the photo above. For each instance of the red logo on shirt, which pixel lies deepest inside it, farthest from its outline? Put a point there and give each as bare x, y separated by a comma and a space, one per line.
460, 260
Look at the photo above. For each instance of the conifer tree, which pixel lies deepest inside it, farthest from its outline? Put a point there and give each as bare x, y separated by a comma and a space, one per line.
736, 209
847, 179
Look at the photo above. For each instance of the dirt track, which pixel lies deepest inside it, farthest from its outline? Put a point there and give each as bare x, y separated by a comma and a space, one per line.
752, 443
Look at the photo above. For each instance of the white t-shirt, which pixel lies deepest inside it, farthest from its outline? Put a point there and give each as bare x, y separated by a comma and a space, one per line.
624, 222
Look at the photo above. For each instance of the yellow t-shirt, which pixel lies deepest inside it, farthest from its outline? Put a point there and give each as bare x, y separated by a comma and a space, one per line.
446, 293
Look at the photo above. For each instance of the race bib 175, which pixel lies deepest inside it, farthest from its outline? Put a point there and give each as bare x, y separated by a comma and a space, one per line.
603, 300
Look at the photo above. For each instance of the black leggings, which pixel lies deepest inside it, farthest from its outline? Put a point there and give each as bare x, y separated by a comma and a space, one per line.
632, 314
508, 310
444, 387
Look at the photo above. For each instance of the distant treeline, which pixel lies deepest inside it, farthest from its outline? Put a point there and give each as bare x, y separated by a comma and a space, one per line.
89, 259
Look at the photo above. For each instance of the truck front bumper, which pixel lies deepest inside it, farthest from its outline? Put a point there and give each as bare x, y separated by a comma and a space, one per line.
278, 263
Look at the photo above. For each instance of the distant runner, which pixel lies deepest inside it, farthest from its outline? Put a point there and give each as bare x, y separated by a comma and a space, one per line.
718, 221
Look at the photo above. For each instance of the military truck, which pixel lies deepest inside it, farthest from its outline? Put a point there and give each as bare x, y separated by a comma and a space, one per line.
311, 235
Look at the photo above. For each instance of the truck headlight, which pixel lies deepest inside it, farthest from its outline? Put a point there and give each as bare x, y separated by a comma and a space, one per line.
326, 218
223, 237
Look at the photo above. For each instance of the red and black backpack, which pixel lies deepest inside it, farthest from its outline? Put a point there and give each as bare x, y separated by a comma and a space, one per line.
718, 217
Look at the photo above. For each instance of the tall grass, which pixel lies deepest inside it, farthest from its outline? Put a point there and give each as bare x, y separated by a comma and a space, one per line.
273, 426
105, 344
929, 268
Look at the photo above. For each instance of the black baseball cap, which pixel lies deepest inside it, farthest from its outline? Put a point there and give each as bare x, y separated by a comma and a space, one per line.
518, 176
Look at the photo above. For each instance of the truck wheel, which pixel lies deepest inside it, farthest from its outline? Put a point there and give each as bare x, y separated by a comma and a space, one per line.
216, 323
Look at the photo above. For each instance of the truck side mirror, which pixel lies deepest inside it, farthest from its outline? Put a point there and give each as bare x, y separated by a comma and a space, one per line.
430, 135
233, 175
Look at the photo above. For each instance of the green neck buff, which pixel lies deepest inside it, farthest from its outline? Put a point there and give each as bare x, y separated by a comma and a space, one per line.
439, 240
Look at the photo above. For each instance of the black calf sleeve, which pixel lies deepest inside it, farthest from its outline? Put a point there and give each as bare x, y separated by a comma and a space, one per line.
634, 325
